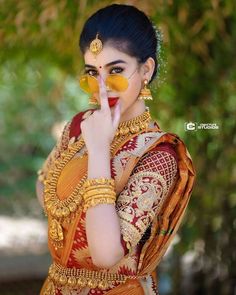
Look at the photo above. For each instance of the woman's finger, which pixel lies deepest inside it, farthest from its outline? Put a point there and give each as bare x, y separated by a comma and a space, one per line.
103, 94
116, 116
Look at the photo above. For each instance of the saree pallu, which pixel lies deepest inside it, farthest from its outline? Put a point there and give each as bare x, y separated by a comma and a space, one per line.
145, 235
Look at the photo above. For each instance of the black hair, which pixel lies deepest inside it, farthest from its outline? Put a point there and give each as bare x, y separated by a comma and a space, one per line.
127, 28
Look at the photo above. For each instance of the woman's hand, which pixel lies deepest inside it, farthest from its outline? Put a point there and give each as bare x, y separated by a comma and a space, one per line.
98, 130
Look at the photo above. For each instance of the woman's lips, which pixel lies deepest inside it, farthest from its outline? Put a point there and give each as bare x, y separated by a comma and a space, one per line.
112, 101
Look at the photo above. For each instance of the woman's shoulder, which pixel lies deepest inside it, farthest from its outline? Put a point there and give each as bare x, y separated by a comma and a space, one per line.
173, 146
164, 148
160, 151
154, 139
166, 139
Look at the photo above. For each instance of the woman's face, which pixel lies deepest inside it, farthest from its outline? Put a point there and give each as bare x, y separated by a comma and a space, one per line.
112, 61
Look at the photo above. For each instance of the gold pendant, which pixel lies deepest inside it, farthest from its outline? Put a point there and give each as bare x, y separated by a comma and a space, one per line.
55, 231
50, 289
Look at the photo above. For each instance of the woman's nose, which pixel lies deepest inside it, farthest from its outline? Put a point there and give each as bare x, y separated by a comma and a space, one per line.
103, 77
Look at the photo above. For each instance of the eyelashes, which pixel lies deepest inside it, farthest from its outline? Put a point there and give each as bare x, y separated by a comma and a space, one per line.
115, 70
91, 72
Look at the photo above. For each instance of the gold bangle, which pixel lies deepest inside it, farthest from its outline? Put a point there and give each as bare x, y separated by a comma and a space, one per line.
99, 201
104, 185
98, 187
99, 197
98, 181
99, 192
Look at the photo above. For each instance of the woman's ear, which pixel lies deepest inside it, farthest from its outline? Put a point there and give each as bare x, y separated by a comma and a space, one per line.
148, 68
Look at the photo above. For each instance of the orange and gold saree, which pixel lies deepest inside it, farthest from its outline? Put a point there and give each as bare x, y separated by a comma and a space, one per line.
154, 177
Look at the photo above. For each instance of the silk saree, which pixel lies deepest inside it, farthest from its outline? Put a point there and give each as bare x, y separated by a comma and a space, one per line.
154, 177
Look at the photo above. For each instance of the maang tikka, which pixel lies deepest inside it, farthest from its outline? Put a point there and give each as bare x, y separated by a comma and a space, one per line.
96, 46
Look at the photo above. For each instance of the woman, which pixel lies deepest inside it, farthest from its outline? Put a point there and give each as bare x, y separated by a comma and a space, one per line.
115, 187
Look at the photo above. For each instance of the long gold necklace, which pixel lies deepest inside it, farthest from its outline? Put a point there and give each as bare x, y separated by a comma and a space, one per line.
62, 211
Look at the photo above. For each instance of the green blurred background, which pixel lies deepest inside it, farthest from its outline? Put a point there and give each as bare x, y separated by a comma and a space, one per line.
39, 66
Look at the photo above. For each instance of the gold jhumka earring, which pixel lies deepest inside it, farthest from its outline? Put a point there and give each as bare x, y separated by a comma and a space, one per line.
93, 101
145, 93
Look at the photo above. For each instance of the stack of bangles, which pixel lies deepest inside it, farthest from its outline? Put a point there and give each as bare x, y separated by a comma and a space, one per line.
99, 191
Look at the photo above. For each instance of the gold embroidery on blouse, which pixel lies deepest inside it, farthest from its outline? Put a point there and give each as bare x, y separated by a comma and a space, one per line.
142, 199
142, 143
130, 233
160, 161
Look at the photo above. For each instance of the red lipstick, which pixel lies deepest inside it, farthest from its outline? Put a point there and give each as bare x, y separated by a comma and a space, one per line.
112, 101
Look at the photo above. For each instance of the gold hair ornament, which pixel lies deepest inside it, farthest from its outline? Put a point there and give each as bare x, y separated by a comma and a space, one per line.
96, 46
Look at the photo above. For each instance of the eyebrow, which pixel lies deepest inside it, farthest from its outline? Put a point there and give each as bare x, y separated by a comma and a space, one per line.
109, 64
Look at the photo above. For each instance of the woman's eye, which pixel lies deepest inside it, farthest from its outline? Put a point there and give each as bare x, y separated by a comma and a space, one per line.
91, 72
116, 70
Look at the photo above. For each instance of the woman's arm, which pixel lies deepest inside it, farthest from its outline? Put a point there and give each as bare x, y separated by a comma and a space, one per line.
102, 221
142, 199
112, 233
39, 192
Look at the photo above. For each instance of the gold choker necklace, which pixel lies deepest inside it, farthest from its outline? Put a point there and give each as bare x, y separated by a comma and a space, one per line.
135, 124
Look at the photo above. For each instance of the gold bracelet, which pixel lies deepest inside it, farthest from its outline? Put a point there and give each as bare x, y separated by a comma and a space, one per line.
95, 202
93, 190
99, 185
99, 181
99, 192
99, 197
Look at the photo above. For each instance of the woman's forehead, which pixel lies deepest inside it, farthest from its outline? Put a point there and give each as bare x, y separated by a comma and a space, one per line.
107, 57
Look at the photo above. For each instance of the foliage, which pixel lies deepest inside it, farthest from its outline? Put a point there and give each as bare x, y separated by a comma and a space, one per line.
38, 88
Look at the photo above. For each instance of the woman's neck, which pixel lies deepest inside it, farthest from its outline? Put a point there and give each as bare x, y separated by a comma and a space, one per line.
136, 109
